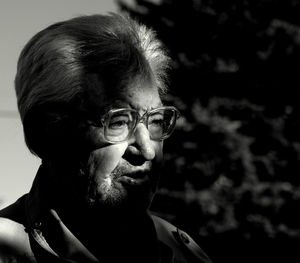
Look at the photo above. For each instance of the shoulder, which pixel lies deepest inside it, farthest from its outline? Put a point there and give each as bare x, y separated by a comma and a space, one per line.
14, 242
11, 232
179, 241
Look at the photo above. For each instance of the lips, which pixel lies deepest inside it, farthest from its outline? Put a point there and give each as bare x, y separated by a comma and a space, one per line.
137, 178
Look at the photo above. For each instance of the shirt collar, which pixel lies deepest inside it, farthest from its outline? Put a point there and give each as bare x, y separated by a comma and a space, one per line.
41, 217
65, 247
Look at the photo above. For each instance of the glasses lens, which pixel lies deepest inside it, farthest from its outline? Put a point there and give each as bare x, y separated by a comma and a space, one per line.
161, 123
119, 125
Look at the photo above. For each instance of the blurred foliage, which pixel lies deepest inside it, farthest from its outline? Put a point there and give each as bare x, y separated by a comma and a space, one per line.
233, 164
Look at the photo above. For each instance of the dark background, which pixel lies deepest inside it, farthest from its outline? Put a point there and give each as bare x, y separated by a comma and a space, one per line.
232, 176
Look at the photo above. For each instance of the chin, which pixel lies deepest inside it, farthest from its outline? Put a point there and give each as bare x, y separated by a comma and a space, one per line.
112, 195
126, 187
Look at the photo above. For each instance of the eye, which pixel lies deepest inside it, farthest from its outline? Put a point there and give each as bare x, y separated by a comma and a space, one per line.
156, 119
118, 122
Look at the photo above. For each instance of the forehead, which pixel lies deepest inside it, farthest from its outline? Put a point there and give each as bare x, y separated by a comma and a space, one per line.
140, 94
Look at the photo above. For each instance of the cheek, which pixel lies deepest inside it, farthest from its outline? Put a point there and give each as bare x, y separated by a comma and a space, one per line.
101, 163
104, 160
94, 138
158, 146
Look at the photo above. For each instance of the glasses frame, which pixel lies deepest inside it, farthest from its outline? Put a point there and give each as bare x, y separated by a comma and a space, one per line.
144, 119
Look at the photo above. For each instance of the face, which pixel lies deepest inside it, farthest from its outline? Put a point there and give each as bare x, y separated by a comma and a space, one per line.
126, 173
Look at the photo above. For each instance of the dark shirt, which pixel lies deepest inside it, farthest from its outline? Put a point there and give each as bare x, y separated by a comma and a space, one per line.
22, 239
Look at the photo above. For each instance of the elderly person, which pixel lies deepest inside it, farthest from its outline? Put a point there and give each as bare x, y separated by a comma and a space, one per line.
89, 94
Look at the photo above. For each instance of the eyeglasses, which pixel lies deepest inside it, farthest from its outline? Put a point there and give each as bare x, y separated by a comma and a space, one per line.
120, 124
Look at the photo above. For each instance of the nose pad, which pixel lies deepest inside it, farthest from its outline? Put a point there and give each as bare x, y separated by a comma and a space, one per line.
143, 142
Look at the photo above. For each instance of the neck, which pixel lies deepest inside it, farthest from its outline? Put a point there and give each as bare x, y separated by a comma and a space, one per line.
103, 230
115, 236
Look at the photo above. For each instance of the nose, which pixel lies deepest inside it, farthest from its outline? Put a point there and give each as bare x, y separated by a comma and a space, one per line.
141, 140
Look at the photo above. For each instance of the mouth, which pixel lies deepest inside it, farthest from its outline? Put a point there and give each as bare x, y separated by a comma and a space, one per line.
137, 178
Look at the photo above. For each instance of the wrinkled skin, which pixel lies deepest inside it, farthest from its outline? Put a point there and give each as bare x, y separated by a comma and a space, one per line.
102, 191
124, 174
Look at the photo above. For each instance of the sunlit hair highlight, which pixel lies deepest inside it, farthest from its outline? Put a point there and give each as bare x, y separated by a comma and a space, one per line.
55, 64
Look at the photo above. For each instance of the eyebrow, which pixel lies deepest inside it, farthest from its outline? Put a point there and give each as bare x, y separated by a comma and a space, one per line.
113, 105
151, 108
119, 103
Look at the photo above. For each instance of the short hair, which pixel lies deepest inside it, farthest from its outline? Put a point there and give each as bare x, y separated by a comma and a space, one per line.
54, 65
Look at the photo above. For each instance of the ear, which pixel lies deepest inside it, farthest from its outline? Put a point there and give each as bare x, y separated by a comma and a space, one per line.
50, 131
